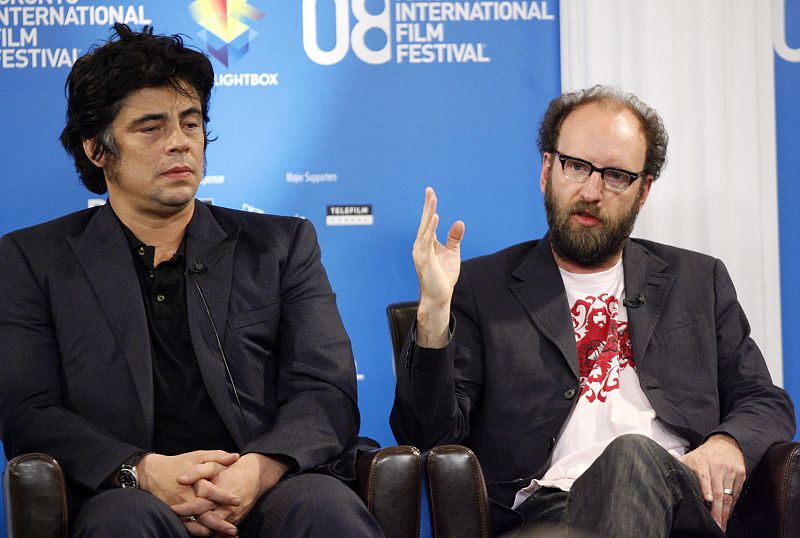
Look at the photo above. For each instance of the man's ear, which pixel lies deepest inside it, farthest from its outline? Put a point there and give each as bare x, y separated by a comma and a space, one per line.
89, 145
547, 163
648, 182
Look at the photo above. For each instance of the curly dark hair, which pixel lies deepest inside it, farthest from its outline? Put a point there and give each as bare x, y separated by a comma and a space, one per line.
655, 133
101, 79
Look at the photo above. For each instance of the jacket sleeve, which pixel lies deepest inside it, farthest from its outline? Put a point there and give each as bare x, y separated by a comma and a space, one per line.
317, 416
438, 389
33, 415
753, 410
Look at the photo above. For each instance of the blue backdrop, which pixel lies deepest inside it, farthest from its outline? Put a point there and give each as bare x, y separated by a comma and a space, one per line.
339, 111
787, 85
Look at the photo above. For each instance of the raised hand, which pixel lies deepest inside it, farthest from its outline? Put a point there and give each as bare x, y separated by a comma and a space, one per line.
437, 267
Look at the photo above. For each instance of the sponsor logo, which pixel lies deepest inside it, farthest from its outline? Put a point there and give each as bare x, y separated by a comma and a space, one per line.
418, 28
349, 215
226, 34
213, 180
311, 177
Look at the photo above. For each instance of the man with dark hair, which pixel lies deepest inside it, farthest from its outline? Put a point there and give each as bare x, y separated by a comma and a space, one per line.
185, 364
608, 385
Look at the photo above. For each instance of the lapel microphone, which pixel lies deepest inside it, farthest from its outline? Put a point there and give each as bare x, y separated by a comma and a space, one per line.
197, 268
635, 303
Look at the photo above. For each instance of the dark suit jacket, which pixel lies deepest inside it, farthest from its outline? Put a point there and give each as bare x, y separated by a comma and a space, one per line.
502, 386
76, 376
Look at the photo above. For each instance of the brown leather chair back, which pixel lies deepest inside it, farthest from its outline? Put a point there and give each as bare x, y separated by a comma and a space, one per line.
401, 319
36, 505
390, 484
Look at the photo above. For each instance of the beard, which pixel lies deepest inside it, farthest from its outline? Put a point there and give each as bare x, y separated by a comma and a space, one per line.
587, 246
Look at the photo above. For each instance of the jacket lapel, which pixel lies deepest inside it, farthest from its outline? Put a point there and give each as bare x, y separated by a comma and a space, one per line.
644, 277
207, 297
541, 291
103, 253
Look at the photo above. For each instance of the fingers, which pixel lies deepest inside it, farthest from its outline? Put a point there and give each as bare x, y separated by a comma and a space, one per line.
718, 500
208, 490
219, 456
198, 505
207, 470
208, 524
428, 212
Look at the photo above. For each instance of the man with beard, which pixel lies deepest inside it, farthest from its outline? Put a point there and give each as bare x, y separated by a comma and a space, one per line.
608, 385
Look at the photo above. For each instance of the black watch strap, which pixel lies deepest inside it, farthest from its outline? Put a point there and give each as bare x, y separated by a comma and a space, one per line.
127, 476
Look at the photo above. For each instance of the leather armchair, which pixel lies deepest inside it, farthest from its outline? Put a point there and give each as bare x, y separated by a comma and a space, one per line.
389, 482
770, 506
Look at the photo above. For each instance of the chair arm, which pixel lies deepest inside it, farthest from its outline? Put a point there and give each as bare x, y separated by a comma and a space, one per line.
459, 502
389, 483
35, 497
771, 505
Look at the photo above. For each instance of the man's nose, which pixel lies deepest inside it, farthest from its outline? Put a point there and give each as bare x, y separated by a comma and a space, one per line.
592, 189
178, 140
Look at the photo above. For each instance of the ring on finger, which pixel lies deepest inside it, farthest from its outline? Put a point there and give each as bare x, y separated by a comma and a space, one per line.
189, 519
727, 491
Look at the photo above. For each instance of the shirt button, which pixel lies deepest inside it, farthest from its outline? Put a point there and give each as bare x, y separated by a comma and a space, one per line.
160, 298
141, 251
551, 443
569, 393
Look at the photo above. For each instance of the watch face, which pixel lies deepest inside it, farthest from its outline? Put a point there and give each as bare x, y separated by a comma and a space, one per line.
127, 477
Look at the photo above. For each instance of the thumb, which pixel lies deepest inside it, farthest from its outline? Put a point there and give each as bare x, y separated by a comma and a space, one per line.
455, 235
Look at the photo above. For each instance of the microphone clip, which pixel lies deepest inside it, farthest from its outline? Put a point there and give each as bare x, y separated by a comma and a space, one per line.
635, 303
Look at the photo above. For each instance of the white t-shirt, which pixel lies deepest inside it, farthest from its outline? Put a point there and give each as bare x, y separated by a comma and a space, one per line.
611, 401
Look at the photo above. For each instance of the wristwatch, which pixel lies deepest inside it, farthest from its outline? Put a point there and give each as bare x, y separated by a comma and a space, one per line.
127, 476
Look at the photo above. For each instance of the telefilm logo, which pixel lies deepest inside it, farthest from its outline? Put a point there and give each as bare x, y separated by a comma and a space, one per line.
227, 34
349, 215
782, 48
414, 31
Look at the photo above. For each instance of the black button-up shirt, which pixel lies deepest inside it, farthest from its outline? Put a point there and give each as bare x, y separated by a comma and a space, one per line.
185, 418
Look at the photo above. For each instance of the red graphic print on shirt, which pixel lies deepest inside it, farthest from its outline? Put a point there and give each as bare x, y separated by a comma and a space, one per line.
604, 345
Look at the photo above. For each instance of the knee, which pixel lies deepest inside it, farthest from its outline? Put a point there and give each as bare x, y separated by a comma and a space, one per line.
323, 496
635, 447
632, 443
125, 511
312, 505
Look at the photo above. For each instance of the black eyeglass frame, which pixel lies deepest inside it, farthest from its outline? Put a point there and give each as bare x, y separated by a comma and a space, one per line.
632, 176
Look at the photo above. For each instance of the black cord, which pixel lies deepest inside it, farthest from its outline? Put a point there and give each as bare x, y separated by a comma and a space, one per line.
222, 353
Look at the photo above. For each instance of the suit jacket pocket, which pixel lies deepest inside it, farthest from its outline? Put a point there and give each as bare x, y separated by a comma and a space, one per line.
261, 314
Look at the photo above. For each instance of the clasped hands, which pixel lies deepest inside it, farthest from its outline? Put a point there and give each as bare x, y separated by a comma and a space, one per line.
211, 490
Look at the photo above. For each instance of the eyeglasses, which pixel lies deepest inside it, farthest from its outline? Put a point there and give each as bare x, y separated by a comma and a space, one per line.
579, 170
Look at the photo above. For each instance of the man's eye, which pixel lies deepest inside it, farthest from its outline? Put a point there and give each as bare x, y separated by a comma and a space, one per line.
148, 129
577, 166
616, 175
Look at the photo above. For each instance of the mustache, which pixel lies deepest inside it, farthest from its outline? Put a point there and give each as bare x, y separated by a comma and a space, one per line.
586, 208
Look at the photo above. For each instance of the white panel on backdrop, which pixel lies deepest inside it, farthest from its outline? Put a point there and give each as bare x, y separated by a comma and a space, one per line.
707, 67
